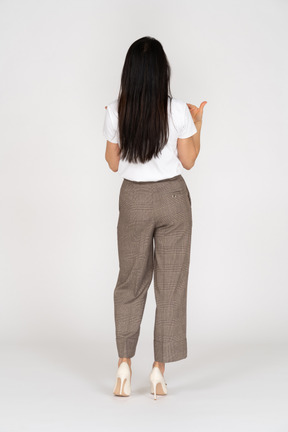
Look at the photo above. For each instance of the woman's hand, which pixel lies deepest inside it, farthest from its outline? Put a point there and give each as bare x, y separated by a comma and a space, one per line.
196, 113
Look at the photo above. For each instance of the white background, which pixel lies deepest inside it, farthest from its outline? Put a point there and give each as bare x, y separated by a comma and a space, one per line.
61, 63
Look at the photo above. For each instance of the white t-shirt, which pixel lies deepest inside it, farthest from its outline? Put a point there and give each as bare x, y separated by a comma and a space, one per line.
167, 164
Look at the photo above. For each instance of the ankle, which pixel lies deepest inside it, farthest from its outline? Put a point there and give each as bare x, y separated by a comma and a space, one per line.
126, 359
160, 365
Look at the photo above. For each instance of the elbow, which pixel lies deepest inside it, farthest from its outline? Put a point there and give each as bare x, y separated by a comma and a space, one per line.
112, 165
188, 164
192, 164
189, 160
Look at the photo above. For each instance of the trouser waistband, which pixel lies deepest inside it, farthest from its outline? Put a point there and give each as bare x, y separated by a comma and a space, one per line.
157, 181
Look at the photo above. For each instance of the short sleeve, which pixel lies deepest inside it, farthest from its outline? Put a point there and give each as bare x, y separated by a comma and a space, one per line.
188, 129
110, 127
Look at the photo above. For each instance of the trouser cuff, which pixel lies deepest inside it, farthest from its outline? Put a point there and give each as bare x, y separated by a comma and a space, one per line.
170, 351
126, 346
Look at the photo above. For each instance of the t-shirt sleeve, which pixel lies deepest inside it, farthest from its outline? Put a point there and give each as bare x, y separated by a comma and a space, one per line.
110, 127
188, 128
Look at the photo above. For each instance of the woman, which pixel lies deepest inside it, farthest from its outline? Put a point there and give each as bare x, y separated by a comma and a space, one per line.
151, 136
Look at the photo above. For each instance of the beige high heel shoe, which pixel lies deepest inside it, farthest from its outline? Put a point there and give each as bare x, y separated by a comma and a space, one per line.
123, 380
157, 383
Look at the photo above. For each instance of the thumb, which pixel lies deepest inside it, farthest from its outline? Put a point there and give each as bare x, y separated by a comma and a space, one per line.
202, 106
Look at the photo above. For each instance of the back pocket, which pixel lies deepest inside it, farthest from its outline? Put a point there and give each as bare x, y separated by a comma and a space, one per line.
181, 192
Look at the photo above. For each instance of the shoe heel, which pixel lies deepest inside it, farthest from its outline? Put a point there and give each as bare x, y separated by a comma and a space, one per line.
153, 388
123, 380
157, 383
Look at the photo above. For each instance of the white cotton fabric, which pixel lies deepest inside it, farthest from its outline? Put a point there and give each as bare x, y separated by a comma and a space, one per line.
167, 164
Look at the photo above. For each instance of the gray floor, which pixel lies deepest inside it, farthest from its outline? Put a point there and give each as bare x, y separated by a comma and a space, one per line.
219, 387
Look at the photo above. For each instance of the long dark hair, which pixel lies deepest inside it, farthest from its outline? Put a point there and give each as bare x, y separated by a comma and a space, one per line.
143, 101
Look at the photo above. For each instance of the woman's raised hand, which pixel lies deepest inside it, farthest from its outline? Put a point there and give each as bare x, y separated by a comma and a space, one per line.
196, 113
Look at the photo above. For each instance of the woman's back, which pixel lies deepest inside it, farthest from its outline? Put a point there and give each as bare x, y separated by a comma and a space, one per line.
167, 164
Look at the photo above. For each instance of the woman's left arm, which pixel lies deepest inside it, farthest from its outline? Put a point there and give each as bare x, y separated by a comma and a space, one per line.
112, 155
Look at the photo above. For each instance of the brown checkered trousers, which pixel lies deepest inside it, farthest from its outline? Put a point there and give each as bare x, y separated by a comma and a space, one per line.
159, 210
